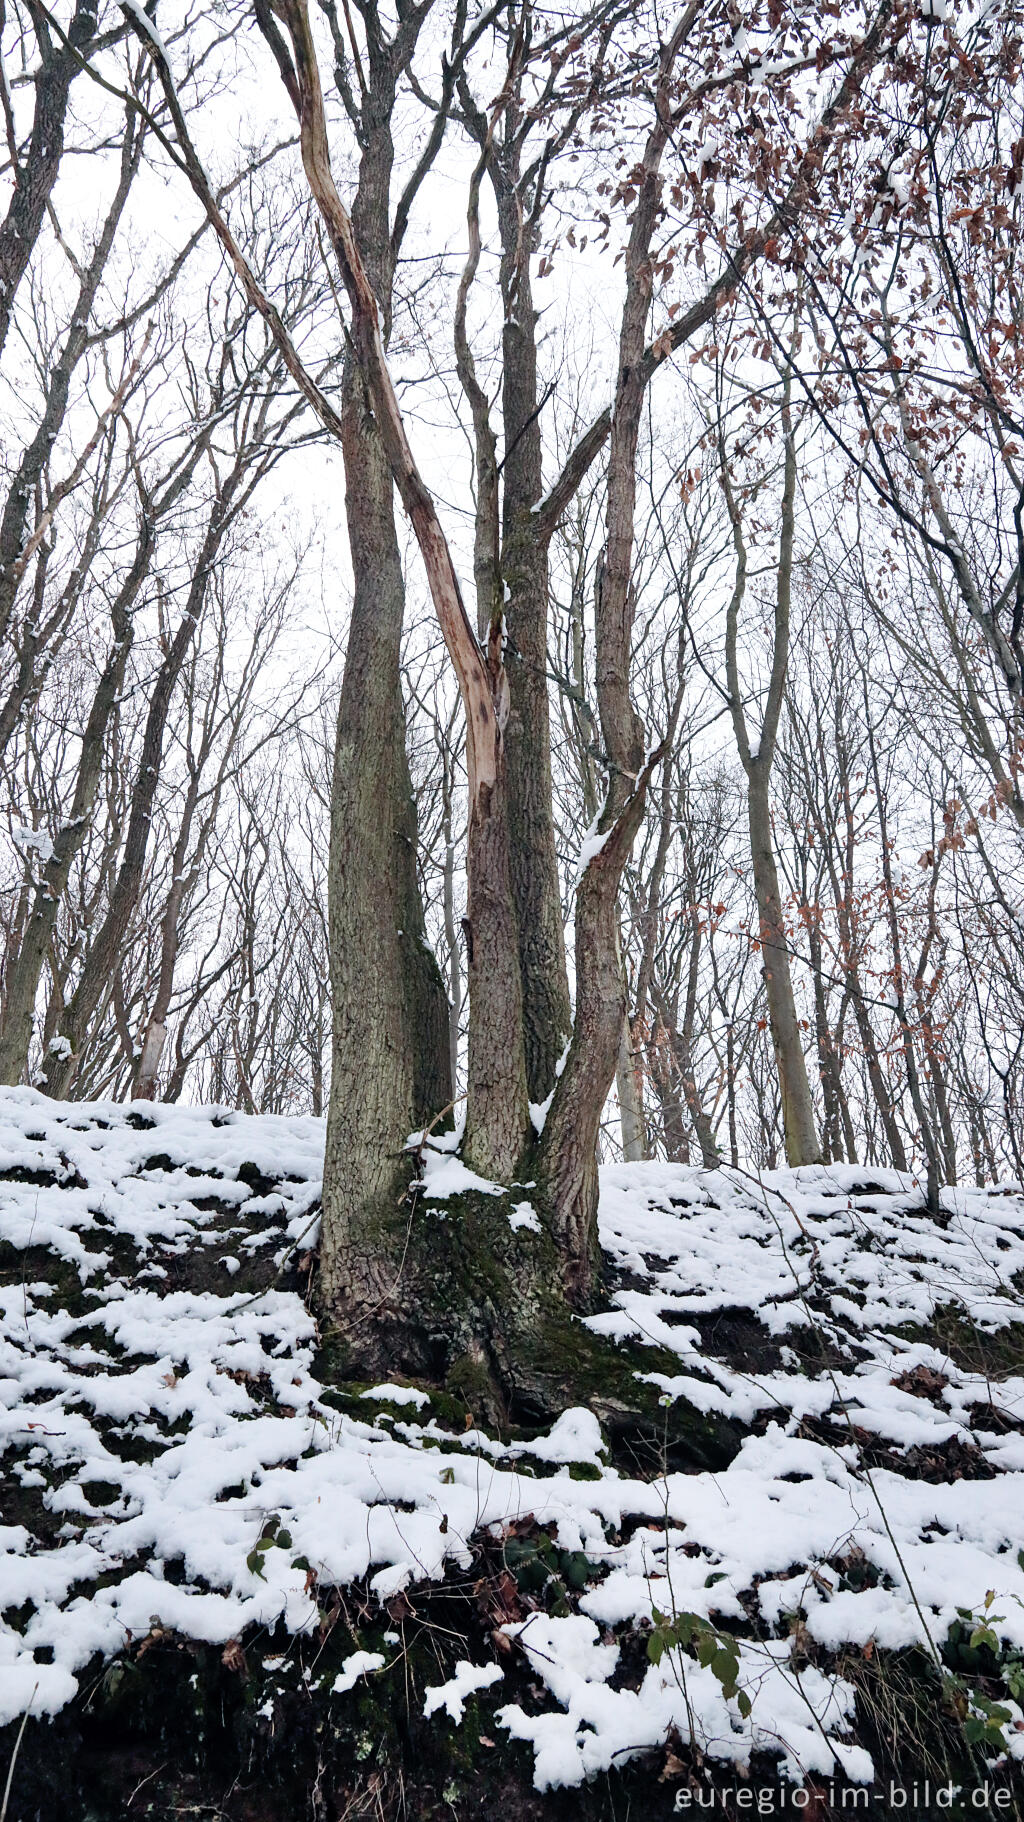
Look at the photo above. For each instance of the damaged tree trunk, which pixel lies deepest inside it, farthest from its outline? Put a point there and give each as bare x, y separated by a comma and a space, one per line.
459, 1292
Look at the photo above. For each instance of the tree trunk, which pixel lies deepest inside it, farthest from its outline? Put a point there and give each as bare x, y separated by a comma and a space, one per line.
567, 1155
34, 181
787, 1039
683, 1059
61, 1066
547, 1020
391, 1068
26, 966
631, 1118
390, 1063
674, 1132
801, 1138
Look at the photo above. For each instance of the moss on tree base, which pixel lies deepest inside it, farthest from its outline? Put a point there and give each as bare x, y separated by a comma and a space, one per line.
477, 1312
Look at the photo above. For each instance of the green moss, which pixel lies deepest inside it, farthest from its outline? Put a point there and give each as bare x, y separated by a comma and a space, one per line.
993, 1353
584, 1470
470, 1382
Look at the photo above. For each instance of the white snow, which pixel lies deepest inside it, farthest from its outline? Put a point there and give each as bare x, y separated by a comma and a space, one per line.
32, 841
359, 1664
142, 19
524, 1215
396, 1394
591, 845
445, 1175
159, 1423
453, 1695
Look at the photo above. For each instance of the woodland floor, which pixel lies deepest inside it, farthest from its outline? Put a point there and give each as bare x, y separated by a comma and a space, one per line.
231, 1588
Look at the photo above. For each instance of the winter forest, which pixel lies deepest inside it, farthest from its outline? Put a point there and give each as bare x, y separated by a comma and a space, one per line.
512, 897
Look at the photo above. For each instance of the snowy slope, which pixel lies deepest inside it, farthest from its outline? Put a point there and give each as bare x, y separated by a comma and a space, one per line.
159, 1419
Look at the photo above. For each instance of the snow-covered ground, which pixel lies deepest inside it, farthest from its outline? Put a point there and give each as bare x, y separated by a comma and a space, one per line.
154, 1417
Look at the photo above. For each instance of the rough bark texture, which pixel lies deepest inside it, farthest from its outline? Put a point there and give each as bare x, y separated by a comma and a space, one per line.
497, 1116
36, 175
534, 866
391, 1070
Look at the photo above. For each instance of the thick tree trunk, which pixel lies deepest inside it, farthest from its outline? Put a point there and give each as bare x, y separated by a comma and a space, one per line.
547, 1019
391, 1069
390, 1060
496, 1076
497, 1114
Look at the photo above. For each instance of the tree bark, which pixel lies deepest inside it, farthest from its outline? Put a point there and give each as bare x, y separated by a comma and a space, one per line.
497, 1115
390, 1069
801, 1138
547, 1020
35, 177
567, 1157
631, 1113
